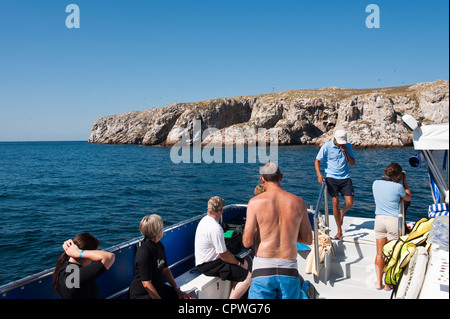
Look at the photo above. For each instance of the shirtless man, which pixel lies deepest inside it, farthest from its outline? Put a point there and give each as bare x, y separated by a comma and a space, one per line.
276, 221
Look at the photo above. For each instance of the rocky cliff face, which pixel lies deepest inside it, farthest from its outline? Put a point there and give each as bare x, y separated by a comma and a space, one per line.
372, 118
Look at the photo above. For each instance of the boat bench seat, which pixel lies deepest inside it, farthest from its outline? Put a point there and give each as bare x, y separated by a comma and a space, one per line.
206, 287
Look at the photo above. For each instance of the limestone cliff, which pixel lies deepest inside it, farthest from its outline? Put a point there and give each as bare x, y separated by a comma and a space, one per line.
372, 117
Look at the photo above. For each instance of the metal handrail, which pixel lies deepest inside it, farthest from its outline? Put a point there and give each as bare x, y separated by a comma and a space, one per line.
439, 179
401, 218
322, 195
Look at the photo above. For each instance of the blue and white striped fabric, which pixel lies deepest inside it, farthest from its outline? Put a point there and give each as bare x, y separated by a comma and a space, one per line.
436, 210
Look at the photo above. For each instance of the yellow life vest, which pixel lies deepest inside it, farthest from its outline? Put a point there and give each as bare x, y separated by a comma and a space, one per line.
398, 252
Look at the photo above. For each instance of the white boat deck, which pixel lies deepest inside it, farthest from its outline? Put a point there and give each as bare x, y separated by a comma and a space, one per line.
352, 272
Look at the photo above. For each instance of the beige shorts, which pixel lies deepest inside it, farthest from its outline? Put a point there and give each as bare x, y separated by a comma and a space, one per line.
386, 227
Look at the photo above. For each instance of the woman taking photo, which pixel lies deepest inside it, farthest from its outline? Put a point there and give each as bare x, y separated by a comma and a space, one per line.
387, 193
79, 266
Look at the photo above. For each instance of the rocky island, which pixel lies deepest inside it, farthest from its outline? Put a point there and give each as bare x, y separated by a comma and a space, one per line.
372, 117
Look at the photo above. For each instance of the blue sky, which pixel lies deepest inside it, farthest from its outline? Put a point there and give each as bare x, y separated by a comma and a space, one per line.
137, 54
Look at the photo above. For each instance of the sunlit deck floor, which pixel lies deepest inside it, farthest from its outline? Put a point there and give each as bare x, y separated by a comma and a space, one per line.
352, 271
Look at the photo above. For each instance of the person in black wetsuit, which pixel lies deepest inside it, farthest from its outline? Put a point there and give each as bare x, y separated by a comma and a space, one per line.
150, 265
79, 266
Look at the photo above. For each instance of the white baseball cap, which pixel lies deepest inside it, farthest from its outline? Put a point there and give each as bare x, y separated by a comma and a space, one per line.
340, 136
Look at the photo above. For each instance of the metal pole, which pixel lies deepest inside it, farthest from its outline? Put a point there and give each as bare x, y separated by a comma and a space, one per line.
327, 220
401, 218
440, 182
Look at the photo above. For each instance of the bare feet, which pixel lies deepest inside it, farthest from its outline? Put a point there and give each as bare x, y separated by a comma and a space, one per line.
338, 235
380, 287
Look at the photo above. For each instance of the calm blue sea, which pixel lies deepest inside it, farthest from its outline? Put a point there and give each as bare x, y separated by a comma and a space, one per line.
51, 191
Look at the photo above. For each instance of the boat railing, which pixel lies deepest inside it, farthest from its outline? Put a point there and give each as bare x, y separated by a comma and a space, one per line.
115, 282
320, 222
441, 184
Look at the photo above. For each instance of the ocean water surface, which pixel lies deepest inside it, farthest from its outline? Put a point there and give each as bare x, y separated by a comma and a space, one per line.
51, 191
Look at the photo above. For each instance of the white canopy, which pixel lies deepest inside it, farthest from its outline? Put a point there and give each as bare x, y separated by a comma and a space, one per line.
431, 137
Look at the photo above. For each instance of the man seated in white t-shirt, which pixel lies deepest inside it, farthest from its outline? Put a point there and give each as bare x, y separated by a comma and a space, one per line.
212, 257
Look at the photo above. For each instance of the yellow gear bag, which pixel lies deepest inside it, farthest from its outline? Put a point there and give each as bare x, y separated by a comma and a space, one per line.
398, 252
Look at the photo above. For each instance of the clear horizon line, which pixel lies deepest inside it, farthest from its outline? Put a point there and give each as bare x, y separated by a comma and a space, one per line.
41, 141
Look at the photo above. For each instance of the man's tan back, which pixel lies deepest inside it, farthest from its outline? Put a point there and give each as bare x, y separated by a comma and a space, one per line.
276, 221
279, 220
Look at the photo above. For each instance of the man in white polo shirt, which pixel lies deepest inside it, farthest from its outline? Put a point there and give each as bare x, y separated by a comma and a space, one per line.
212, 257
337, 155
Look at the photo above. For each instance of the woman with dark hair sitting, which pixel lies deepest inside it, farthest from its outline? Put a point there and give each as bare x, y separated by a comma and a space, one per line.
79, 266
